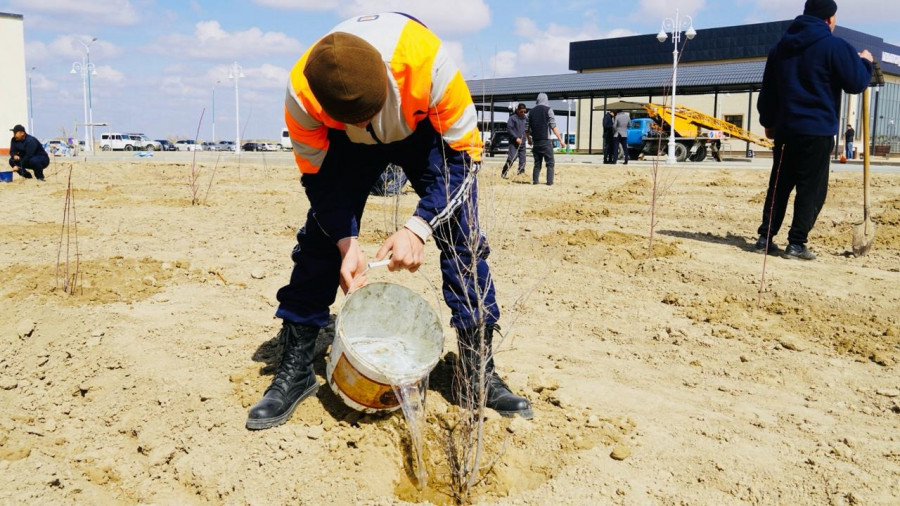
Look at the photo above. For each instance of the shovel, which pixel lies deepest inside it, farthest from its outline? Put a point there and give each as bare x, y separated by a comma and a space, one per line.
864, 233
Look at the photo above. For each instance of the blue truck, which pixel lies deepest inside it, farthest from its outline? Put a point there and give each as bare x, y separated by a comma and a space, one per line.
696, 134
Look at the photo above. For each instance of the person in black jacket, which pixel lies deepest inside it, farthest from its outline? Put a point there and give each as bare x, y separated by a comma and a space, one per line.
849, 134
609, 131
798, 106
26, 152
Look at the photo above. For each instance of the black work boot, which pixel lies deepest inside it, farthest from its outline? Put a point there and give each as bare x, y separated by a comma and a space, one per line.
294, 378
497, 394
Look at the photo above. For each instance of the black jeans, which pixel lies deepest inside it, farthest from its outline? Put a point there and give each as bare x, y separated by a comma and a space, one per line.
542, 150
800, 162
36, 163
608, 149
620, 143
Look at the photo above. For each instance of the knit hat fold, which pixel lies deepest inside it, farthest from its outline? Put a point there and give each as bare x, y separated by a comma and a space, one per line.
822, 9
347, 76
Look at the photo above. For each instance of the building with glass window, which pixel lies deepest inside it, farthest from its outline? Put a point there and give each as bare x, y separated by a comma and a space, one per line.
719, 73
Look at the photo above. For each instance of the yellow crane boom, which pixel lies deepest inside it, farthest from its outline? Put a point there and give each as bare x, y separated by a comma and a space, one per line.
688, 123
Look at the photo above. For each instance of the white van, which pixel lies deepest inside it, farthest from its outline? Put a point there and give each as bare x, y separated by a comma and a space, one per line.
112, 141
285, 140
116, 141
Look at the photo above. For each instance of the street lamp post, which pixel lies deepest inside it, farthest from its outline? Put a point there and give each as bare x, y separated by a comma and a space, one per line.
675, 26
86, 68
30, 103
236, 73
214, 112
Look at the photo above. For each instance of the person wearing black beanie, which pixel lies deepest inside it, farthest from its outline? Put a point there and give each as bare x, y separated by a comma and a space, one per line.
822, 9
798, 106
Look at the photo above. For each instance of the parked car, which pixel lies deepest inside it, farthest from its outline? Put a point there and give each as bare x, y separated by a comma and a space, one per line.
187, 145
499, 143
210, 146
141, 141
165, 145
268, 146
226, 146
250, 146
112, 141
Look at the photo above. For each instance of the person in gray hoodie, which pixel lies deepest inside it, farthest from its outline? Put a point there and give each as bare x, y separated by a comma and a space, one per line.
621, 122
541, 122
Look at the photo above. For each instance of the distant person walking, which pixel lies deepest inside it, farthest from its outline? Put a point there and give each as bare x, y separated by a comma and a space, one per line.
516, 128
798, 106
541, 122
849, 134
621, 140
609, 131
26, 152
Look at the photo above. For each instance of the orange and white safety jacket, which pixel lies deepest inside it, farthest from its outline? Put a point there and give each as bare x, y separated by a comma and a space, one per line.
423, 84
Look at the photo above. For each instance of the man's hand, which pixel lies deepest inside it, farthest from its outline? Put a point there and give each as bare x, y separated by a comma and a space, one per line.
407, 250
518, 140
866, 55
353, 262
15, 157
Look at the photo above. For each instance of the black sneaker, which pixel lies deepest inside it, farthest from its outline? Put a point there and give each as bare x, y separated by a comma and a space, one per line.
761, 245
799, 251
24, 173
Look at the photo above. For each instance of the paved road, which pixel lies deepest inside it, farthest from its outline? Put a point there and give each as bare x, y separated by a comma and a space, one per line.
763, 163
280, 158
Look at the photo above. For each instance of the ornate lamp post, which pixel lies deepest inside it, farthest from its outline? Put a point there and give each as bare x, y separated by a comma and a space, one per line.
675, 26
86, 68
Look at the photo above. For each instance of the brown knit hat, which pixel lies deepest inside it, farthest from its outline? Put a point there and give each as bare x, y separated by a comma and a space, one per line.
347, 76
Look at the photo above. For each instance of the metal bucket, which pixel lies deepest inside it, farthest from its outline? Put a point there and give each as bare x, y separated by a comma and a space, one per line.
385, 334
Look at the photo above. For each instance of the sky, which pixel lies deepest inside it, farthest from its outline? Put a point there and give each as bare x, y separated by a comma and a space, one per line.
162, 66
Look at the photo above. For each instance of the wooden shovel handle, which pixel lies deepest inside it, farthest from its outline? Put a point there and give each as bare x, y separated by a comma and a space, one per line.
865, 115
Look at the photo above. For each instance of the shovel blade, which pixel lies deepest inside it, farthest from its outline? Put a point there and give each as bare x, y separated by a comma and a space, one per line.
863, 237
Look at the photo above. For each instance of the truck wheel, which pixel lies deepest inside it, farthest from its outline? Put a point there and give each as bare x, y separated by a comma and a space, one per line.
700, 155
681, 152
129, 147
151, 148
104, 148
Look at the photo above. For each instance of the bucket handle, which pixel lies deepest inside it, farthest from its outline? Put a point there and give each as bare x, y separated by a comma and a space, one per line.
384, 263
380, 263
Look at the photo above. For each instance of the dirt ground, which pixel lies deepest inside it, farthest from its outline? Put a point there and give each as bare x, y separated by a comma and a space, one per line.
704, 374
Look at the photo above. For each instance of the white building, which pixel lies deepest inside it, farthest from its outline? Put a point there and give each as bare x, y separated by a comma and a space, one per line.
13, 89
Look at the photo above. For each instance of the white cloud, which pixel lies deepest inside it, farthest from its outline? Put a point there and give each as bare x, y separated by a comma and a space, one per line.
108, 75
93, 12
503, 64
664, 8
210, 41
72, 46
546, 50
310, 5
458, 16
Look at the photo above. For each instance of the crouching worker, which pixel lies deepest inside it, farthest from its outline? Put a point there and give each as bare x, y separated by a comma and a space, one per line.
376, 90
26, 152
